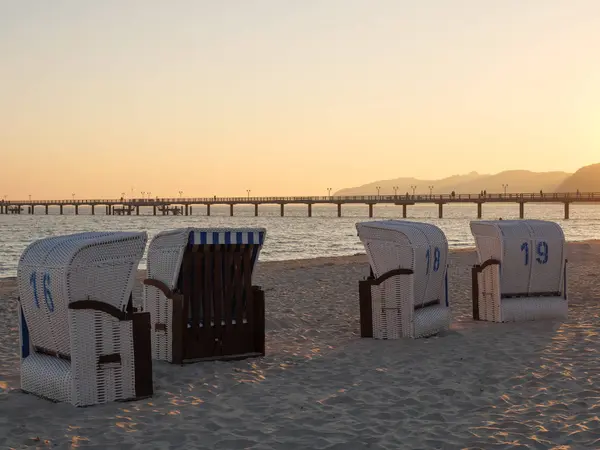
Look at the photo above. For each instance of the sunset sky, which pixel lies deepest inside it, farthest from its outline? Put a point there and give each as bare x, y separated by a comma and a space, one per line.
290, 97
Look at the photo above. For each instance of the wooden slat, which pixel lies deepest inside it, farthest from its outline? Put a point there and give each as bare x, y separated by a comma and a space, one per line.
142, 353
239, 290
228, 287
207, 291
247, 278
475, 291
218, 292
179, 330
366, 311
258, 318
190, 302
187, 285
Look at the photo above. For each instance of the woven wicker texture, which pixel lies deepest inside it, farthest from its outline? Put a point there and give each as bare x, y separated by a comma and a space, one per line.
56, 272
165, 255
422, 247
532, 257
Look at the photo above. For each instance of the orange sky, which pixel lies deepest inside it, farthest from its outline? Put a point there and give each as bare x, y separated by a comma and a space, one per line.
284, 98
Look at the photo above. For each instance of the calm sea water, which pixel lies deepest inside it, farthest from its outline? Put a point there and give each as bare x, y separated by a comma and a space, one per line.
295, 236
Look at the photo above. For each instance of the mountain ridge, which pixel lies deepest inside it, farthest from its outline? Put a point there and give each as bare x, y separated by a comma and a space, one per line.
516, 181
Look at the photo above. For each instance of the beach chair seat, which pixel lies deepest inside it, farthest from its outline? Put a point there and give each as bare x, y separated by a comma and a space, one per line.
82, 341
521, 271
200, 295
406, 294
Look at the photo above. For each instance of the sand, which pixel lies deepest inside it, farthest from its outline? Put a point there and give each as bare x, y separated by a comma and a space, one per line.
480, 385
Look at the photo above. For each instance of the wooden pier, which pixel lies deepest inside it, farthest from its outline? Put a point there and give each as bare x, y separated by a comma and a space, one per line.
183, 206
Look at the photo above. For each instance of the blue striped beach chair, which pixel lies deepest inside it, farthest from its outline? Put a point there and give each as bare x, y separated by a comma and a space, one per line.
200, 295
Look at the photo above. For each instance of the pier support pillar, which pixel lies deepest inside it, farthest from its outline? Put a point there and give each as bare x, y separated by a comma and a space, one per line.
1, 209
31, 209
339, 210
231, 210
154, 210
190, 210
61, 210
567, 204
282, 207
370, 209
76, 210
165, 210
208, 210
404, 211
441, 210
479, 210
309, 210
256, 210
137, 210
93, 210
129, 209
521, 210
187, 210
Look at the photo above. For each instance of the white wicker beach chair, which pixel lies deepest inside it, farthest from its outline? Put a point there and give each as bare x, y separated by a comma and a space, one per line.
521, 271
81, 340
407, 292
200, 296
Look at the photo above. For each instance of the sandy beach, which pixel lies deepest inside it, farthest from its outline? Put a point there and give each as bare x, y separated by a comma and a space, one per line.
479, 386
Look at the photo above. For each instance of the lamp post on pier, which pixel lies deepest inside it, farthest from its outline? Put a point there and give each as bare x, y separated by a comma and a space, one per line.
430, 191
396, 191
414, 188
143, 197
505, 186
180, 194
378, 189
248, 192
329, 192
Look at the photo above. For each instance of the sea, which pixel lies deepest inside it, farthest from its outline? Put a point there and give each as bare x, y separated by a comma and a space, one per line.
295, 236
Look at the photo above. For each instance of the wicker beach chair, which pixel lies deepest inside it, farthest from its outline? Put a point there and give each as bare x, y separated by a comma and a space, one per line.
407, 292
82, 342
521, 271
200, 295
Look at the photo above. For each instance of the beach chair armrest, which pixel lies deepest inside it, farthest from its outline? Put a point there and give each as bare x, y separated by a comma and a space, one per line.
160, 286
100, 306
392, 273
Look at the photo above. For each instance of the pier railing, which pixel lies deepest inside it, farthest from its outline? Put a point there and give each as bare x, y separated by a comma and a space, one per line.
401, 198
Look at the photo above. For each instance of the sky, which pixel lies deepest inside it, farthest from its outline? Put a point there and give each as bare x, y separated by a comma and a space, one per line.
290, 97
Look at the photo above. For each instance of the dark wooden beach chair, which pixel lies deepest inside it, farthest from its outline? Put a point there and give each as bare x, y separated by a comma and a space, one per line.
200, 295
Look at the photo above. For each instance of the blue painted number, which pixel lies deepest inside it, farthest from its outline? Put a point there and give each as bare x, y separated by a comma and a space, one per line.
47, 294
33, 283
525, 248
436, 259
542, 252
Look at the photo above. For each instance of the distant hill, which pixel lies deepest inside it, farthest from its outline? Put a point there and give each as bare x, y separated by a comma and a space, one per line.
518, 181
586, 179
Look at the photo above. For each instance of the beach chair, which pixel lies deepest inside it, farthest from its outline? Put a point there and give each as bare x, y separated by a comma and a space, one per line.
521, 271
406, 294
82, 341
200, 295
